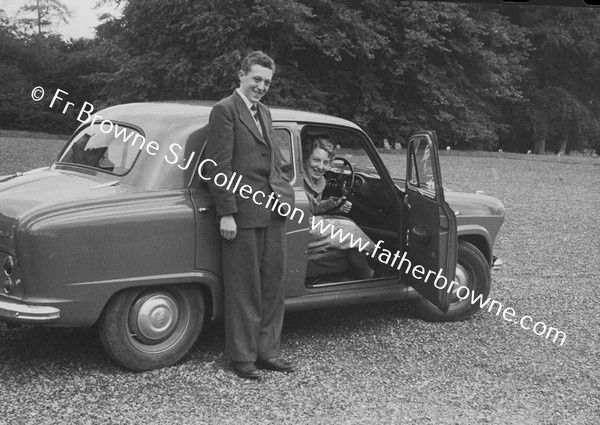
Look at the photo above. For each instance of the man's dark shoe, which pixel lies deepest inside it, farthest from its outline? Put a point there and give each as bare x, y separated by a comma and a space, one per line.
246, 370
275, 364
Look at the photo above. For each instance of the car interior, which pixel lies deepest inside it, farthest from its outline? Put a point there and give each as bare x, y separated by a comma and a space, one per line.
352, 174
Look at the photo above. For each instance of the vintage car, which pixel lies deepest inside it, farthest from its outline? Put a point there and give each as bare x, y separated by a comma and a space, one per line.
120, 231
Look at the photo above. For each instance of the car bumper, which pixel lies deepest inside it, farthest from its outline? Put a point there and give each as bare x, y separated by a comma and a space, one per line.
15, 312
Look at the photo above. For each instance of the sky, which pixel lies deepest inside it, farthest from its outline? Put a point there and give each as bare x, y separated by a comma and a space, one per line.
83, 16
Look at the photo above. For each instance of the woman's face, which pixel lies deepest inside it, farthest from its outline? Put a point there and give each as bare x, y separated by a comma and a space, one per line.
317, 163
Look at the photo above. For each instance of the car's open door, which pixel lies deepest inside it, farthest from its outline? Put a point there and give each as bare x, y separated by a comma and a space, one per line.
431, 240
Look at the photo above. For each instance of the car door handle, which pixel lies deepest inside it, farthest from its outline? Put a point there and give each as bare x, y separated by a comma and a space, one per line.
419, 235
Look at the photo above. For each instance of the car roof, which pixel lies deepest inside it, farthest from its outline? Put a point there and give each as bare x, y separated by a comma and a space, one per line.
141, 113
182, 123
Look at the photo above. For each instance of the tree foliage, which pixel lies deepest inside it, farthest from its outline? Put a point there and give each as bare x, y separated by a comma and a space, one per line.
563, 90
27, 61
392, 67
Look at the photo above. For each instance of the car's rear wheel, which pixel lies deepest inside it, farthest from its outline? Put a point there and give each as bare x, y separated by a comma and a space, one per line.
149, 328
472, 271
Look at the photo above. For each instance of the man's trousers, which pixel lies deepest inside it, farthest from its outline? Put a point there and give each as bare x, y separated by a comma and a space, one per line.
253, 272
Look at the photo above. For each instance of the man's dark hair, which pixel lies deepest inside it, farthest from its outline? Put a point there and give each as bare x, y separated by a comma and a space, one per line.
258, 57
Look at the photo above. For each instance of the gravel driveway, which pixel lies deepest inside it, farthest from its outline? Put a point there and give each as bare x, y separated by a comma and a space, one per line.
375, 363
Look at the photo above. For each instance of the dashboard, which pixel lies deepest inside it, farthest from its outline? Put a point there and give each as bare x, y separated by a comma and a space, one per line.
372, 205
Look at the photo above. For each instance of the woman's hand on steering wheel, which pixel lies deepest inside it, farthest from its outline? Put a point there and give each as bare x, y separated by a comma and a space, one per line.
345, 206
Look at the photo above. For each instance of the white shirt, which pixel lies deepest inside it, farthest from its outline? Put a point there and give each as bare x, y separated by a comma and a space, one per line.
249, 105
246, 100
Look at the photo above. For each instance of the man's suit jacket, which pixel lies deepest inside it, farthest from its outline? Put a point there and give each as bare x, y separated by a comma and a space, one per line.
236, 145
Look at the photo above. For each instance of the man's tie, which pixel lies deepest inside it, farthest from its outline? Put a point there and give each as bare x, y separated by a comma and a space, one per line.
256, 119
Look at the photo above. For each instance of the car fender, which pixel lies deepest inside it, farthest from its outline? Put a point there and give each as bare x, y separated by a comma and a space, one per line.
81, 254
479, 236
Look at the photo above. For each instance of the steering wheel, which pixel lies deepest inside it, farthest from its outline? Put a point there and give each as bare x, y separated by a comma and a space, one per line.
345, 185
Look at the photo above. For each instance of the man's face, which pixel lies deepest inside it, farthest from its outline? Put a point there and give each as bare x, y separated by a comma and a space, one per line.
256, 82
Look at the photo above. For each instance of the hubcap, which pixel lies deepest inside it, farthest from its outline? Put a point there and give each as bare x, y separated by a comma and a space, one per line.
154, 317
461, 276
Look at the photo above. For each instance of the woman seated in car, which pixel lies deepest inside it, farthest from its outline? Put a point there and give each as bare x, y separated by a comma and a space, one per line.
325, 252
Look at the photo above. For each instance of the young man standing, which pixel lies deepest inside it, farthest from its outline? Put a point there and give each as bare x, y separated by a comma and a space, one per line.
241, 139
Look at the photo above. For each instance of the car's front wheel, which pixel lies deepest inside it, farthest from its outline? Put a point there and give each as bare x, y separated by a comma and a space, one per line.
149, 328
472, 271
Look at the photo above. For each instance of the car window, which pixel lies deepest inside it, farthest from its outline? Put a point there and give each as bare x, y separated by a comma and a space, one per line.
112, 152
348, 144
421, 169
284, 143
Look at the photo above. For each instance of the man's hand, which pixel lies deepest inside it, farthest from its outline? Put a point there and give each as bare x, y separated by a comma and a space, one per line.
228, 227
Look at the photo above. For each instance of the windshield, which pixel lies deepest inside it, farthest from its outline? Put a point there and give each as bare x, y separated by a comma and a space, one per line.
421, 168
108, 152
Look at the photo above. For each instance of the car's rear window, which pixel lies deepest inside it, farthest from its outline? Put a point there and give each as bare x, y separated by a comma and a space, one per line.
113, 152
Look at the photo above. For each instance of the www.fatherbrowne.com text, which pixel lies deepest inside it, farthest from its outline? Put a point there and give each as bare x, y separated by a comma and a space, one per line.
399, 260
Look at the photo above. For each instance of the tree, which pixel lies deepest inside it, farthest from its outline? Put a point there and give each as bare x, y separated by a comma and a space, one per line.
29, 61
563, 89
451, 67
41, 13
392, 67
557, 114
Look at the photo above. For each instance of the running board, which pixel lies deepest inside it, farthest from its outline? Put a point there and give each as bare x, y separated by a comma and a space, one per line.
326, 284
